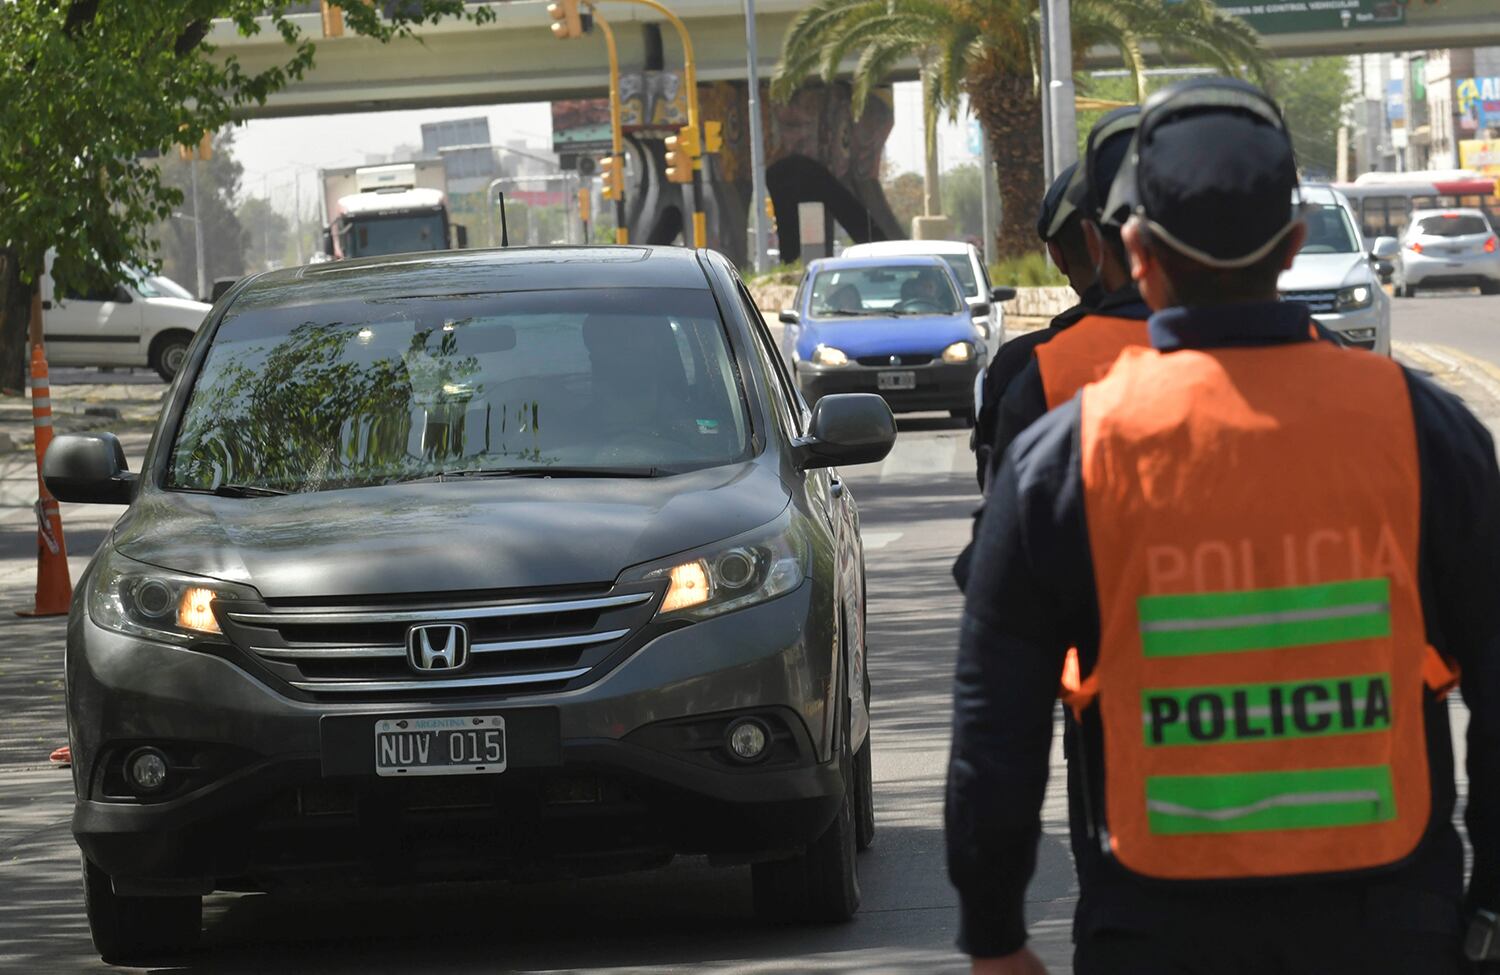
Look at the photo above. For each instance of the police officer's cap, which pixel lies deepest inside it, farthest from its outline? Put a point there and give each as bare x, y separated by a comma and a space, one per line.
1104, 153
1211, 172
1056, 207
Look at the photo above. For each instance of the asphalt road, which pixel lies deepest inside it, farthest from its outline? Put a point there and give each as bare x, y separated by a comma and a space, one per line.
685, 918
1460, 319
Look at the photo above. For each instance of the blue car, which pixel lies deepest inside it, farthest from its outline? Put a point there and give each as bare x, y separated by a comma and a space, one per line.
897, 326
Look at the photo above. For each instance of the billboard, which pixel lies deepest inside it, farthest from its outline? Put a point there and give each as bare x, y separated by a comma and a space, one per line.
1300, 16
1478, 103
1480, 155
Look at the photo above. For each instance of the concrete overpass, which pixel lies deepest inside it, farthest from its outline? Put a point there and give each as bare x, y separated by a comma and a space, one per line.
516, 59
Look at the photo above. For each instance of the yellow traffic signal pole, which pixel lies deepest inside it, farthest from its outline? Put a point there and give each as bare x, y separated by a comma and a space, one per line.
689, 78
616, 136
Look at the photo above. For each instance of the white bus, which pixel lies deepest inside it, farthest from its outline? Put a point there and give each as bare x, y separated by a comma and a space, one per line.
1385, 201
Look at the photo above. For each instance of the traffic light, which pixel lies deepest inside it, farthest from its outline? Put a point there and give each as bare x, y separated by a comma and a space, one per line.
713, 136
204, 150
680, 155
612, 176
567, 22
333, 20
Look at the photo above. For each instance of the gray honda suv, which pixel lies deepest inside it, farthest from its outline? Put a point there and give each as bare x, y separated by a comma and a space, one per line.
472, 566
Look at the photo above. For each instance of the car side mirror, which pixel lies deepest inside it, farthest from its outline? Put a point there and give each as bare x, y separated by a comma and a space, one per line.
982, 308
122, 295
1002, 295
847, 428
1385, 249
88, 469
788, 317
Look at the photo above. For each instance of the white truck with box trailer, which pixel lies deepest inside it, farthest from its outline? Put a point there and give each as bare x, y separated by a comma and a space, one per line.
391, 209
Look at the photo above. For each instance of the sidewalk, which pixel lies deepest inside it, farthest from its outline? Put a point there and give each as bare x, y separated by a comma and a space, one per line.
31, 676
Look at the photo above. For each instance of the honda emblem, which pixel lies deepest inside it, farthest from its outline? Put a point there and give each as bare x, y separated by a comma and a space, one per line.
437, 646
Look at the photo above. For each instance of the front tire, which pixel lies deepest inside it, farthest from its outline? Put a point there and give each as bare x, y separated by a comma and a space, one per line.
1489, 287
128, 928
822, 885
864, 791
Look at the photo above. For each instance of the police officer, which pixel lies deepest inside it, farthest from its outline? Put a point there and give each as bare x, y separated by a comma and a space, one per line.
1117, 320
1060, 227
1272, 555
1115, 316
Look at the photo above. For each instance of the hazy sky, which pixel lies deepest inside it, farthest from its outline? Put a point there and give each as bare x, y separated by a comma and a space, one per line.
277, 152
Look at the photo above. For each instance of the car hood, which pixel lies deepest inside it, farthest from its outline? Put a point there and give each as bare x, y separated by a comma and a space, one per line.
451, 536
1320, 272
194, 311
886, 336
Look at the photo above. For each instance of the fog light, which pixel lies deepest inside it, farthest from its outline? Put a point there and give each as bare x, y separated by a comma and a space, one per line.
147, 770
747, 739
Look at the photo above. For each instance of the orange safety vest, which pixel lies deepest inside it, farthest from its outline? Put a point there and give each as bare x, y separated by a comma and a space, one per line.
1083, 352
1253, 523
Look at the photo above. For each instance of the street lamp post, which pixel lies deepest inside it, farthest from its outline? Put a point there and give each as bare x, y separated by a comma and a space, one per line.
1059, 92
757, 144
198, 231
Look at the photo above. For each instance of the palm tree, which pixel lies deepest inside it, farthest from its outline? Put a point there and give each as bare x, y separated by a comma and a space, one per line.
990, 50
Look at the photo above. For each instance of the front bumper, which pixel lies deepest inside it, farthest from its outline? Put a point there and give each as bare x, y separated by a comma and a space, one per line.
620, 773
939, 385
1364, 328
1435, 269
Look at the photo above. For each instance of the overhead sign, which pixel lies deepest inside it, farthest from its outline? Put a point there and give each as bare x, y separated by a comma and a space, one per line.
1303, 16
1478, 103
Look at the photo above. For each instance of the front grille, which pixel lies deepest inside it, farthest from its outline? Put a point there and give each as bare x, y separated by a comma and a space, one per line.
912, 359
1320, 302
527, 642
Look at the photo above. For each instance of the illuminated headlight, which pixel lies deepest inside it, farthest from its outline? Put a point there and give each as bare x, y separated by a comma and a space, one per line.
959, 352
753, 568
827, 355
141, 600
1359, 296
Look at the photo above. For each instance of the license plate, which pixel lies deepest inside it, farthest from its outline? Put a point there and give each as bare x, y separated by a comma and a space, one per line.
440, 746
896, 380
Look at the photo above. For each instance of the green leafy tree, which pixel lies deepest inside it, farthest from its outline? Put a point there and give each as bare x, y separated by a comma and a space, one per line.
904, 193
963, 200
267, 233
88, 88
1314, 95
223, 233
989, 50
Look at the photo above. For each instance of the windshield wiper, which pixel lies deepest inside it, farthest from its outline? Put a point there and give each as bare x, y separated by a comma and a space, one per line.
498, 472
245, 491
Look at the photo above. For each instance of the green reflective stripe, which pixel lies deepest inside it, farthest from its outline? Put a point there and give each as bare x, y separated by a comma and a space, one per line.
1249, 801
1264, 619
1266, 712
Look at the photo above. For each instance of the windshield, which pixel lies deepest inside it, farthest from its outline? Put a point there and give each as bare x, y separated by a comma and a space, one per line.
357, 393
156, 286
1329, 231
1452, 225
371, 236
914, 289
964, 271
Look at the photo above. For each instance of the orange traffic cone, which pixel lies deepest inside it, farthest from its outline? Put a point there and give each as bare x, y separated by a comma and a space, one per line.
54, 586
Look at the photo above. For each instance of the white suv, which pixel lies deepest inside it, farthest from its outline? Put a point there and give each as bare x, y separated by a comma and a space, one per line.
1334, 273
968, 266
147, 321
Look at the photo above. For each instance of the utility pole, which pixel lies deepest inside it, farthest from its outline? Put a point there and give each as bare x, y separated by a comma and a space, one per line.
757, 147
297, 213
988, 206
1060, 94
1046, 66
198, 232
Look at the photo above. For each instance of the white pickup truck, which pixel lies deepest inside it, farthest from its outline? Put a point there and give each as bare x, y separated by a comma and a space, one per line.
147, 321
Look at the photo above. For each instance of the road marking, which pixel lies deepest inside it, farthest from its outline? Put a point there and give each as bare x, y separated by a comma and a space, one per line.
874, 540
923, 456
